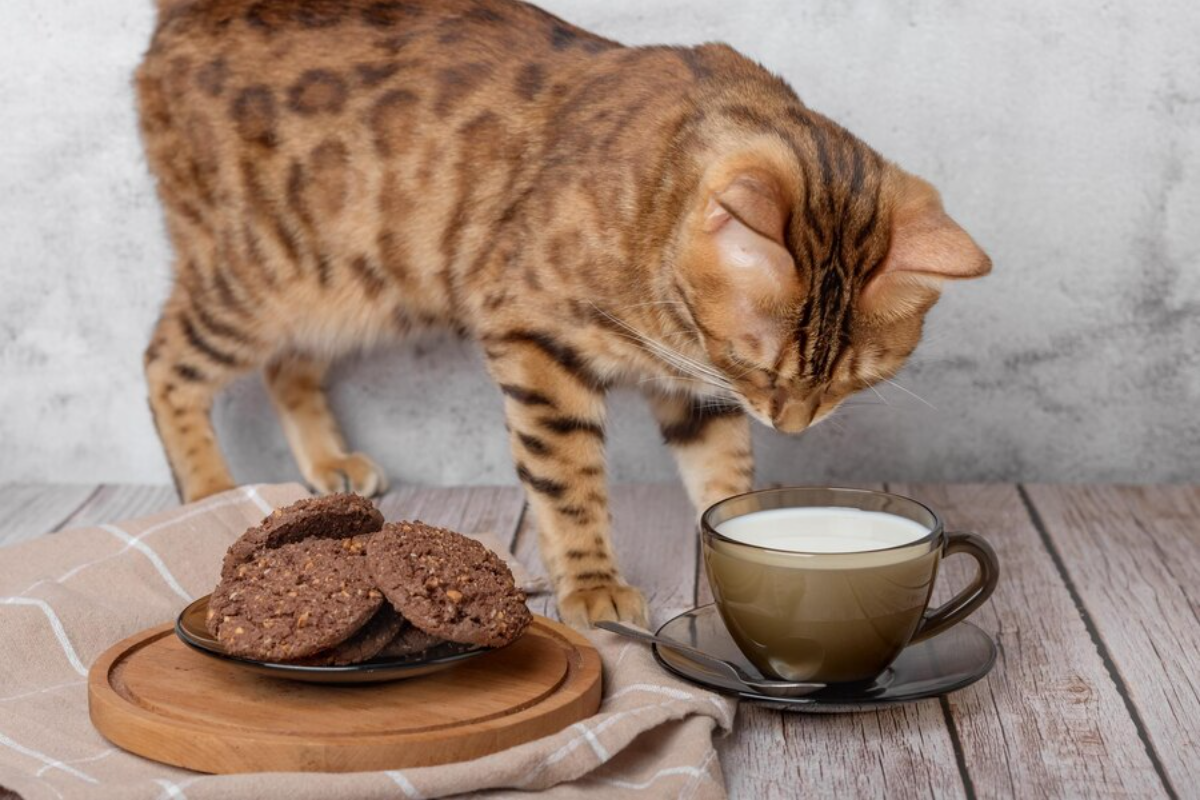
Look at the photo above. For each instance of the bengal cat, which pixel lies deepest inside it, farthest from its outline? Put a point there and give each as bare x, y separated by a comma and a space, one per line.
341, 173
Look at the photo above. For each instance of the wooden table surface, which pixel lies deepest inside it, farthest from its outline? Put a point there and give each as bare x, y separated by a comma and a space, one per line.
1096, 691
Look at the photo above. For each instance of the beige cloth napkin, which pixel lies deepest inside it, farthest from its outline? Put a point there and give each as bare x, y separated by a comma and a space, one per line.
66, 598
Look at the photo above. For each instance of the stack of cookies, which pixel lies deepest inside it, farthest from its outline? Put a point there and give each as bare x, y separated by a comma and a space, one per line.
326, 582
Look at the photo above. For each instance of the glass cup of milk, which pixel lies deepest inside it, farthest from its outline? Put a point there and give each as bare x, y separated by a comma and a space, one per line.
830, 585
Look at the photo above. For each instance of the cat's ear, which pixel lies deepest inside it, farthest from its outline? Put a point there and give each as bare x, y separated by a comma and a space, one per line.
751, 276
745, 221
926, 248
754, 200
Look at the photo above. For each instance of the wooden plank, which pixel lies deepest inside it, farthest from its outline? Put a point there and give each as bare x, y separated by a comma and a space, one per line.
470, 509
654, 533
654, 536
902, 752
114, 502
1133, 558
29, 510
481, 508
898, 753
1048, 721
526, 548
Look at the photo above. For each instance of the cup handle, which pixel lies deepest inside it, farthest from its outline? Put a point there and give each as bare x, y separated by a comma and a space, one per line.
963, 604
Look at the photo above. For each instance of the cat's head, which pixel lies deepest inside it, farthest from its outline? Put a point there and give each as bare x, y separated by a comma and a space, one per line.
808, 264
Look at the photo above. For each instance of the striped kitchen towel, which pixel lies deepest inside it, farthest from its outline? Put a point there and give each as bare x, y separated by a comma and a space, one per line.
66, 598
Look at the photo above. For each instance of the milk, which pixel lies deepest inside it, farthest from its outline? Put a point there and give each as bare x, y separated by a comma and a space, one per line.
822, 530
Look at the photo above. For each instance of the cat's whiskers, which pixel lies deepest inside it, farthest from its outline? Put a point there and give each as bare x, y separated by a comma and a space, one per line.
684, 370
679, 303
663, 352
748, 368
668, 379
674, 359
708, 399
878, 394
693, 337
874, 375
666, 323
911, 393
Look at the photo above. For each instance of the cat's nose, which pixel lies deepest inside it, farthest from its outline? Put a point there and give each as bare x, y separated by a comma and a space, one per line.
792, 414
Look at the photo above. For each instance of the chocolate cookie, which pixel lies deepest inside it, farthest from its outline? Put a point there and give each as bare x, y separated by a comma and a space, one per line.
447, 585
294, 601
364, 645
409, 641
335, 516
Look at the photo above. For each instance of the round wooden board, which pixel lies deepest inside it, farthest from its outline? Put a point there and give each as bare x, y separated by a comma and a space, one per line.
154, 696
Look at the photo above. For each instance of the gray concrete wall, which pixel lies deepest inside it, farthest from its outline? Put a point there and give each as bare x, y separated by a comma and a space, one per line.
1065, 136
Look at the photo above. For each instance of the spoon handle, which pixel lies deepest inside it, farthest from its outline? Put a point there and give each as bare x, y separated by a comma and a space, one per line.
729, 670
732, 671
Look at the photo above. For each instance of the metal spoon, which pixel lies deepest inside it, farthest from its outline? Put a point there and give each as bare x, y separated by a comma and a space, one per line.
728, 669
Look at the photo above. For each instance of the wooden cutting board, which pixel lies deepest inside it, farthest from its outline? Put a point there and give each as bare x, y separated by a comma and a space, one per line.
154, 696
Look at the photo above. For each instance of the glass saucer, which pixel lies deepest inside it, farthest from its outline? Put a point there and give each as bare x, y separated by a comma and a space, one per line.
190, 628
945, 663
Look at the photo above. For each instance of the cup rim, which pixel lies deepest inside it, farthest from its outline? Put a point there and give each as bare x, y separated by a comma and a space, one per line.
935, 532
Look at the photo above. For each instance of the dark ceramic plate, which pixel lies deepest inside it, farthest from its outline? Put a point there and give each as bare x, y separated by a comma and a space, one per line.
190, 628
945, 663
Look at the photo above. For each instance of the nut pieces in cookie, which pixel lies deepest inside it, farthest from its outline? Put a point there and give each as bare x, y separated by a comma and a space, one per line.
447, 584
294, 601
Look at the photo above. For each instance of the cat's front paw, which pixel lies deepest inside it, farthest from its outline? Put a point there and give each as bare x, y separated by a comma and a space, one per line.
353, 473
582, 608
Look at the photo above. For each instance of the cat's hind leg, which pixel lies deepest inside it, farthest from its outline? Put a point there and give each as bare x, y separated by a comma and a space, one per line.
296, 385
193, 354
